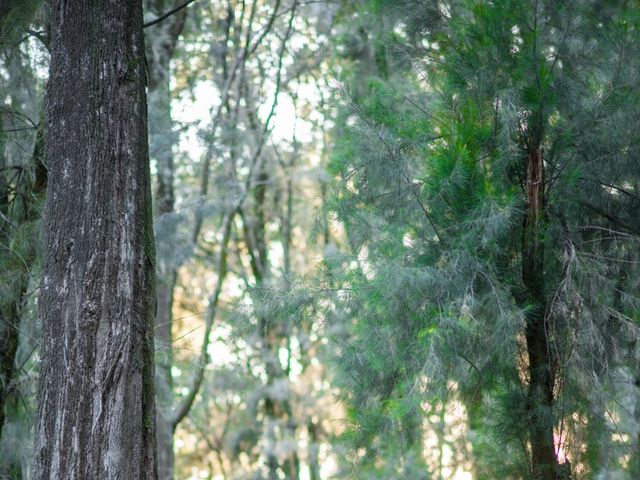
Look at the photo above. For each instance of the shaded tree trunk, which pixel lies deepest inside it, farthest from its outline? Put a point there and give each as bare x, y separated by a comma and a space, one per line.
31, 184
162, 39
8, 317
8, 348
314, 463
96, 410
541, 376
276, 411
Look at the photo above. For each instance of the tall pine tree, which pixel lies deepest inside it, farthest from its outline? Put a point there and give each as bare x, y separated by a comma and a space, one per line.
488, 185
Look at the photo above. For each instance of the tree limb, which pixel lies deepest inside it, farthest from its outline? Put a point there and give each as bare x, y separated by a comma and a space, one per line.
168, 14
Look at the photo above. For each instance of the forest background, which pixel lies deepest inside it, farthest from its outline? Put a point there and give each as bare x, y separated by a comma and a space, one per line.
394, 239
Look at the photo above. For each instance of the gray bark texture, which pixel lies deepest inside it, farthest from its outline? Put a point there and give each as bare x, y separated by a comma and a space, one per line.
96, 414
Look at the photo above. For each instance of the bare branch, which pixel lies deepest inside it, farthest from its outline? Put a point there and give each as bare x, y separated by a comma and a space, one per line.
168, 14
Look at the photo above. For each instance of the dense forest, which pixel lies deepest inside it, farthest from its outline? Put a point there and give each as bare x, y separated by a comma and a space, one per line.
320, 239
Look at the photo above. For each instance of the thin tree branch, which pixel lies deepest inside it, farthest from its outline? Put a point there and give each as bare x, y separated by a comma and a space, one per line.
168, 14
184, 407
615, 220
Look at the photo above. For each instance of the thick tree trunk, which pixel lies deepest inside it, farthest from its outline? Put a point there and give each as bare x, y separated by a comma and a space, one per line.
541, 376
162, 39
96, 410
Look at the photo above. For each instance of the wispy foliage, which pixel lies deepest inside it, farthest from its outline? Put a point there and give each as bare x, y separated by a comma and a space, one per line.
431, 166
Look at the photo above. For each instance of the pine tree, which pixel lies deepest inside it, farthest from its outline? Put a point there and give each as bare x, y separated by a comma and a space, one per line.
488, 185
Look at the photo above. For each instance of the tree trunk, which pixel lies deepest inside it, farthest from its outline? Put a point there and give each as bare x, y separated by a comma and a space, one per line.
314, 464
8, 347
96, 409
162, 39
30, 187
166, 279
276, 411
8, 328
541, 376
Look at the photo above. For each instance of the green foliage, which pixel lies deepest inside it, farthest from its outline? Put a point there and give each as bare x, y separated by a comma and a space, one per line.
15, 17
431, 168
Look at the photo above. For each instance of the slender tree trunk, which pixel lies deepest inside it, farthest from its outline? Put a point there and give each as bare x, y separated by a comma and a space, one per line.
9, 321
276, 411
440, 433
541, 376
162, 39
166, 275
314, 464
96, 415
8, 328
31, 185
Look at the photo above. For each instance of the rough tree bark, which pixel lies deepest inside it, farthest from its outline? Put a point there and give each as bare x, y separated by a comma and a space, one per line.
95, 415
541, 370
